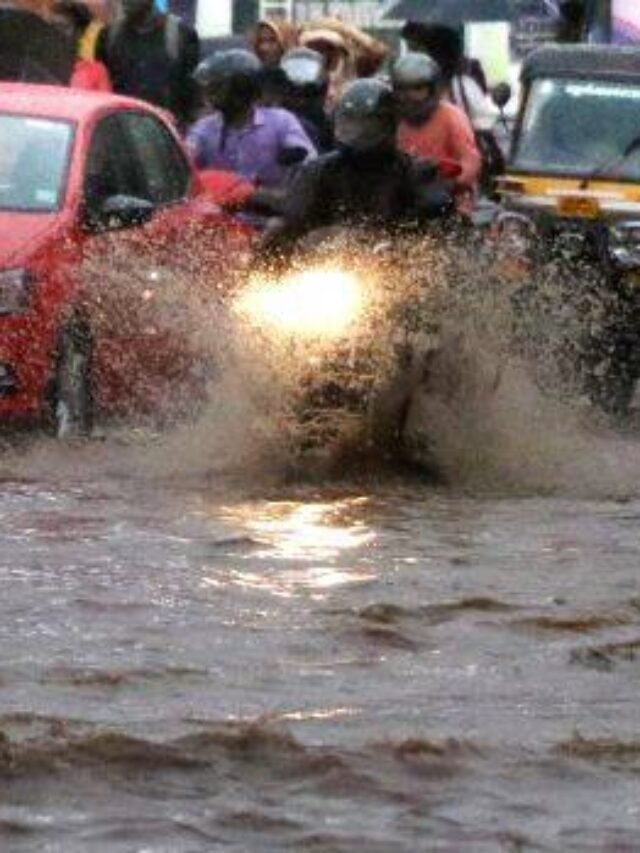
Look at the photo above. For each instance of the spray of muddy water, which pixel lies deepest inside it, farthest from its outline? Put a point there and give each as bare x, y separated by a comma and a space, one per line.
505, 408
488, 416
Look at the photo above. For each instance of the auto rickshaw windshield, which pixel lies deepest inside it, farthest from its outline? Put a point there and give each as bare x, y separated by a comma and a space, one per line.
580, 128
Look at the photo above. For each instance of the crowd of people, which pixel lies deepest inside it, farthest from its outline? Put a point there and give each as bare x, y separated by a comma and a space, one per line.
378, 125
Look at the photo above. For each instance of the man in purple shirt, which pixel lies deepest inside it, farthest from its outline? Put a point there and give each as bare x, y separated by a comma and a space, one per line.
262, 144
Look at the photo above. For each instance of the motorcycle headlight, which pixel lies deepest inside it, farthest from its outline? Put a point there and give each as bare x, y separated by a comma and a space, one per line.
624, 244
320, 303
15, 285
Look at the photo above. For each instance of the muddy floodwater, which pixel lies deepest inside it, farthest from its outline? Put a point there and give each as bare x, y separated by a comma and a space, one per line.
192, 661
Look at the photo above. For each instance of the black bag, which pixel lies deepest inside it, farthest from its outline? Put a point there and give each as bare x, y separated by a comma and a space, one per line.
493, 162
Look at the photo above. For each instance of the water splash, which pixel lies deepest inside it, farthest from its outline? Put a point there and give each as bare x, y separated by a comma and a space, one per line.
498, 411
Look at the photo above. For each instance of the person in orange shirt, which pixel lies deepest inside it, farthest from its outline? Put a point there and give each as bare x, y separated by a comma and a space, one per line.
74, 18
431, 128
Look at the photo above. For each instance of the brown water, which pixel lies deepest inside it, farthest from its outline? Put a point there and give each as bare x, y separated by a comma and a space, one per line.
196, 655
194, 660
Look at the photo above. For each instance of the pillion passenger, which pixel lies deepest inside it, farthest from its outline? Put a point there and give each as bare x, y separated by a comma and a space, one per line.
431, 127
263, 144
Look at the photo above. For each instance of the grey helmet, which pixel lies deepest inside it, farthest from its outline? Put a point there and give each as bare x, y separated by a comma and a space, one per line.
365, 116
416, 71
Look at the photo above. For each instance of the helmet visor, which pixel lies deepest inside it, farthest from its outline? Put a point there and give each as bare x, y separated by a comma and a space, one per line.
304, 70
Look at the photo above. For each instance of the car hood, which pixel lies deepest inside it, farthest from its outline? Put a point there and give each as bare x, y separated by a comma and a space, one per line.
21, 234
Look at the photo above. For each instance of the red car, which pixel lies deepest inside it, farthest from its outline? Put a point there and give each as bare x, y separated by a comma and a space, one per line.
88, 175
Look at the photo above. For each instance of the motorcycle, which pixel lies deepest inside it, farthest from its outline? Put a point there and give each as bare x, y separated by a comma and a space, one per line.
346, 338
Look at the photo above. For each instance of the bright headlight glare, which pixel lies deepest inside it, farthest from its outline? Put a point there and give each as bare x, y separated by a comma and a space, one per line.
14, 291
320, 303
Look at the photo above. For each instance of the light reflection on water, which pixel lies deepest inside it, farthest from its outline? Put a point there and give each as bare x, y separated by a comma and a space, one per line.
302, 533
310, 680
290, 530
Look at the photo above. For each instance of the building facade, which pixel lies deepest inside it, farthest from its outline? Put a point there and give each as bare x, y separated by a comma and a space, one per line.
219, 17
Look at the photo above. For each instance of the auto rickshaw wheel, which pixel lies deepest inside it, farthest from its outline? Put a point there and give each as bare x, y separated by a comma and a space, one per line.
580, 336
612, 371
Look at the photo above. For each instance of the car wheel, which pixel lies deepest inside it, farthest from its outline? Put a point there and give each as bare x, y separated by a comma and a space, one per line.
72, 403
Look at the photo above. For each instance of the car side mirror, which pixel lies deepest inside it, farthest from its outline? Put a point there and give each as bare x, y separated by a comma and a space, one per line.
501, 95
120, 211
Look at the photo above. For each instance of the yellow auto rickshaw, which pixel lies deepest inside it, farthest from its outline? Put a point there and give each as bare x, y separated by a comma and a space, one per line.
575, 157
571, 192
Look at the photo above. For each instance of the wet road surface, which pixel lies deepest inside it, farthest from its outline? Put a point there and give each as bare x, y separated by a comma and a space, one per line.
194, 663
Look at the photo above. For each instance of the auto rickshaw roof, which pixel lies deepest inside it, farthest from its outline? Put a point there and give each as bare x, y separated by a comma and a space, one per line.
584, 62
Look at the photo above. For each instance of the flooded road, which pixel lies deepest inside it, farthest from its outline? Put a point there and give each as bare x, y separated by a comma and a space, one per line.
191, 662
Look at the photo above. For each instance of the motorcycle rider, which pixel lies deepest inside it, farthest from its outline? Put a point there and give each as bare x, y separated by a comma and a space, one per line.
431, 127
367, 180
261, 144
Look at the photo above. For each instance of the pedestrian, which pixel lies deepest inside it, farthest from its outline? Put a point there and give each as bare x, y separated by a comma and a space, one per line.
89, 39
432, 128
263, 144
368, 53
340, 61
272, 39
152, 56
74, 18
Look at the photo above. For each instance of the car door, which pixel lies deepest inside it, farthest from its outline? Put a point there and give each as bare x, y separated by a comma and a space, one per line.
151, 281
185, 219
118, 266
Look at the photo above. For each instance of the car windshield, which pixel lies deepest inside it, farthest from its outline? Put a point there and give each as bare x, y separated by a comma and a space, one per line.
34, 153
581, 128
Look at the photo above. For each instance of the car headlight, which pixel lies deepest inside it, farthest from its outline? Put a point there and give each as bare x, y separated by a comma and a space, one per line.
15, 286
624, 244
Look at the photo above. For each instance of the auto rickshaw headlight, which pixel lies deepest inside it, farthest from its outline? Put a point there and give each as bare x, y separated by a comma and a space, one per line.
624, 244
514, 233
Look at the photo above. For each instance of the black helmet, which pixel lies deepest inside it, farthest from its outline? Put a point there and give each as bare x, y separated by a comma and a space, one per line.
305, 70
365, 116
416, 71
230, 79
